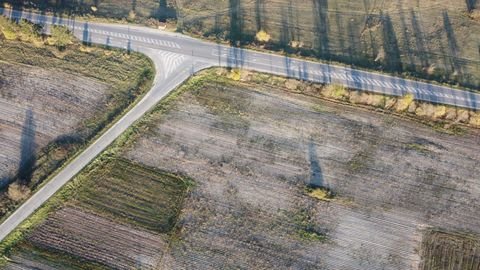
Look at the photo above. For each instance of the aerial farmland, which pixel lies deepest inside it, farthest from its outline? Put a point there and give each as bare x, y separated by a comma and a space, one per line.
263, 134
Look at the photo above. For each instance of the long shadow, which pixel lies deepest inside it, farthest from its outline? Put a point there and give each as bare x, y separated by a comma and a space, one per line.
259, 13
322, 41
452, 43
285, 30
27, 149
86, 38
393, 60
316, 174
421, 46
353, 49
471, 4
134, 5
340, 31
236, 23
407, 49
164, 11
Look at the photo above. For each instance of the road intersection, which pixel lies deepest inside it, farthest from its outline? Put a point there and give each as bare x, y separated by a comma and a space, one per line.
177, 57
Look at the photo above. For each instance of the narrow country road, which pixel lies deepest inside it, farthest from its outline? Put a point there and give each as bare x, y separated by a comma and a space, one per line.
177, 57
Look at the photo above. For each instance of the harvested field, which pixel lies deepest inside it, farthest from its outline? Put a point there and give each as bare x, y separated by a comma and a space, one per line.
442, 250
120, 216
256, 153
135, 194
29, 258
127, 10
117, 246
54, 101
252, 164
38, 106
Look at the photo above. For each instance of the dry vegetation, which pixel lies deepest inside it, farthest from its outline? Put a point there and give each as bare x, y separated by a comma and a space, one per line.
135, 194
328, 187
432, 39
441, 250
119, 215
53, 100
140, 11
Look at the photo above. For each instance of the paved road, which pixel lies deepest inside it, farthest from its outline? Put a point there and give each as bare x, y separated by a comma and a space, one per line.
176, 57
137, 38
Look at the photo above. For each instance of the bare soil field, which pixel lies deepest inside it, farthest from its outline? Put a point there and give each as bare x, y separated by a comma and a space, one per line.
53, 101
69, 230
257, 154
119, 217
38, 106
253, 152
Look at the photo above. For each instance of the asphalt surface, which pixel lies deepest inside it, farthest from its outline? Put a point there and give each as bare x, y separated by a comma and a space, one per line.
177, 57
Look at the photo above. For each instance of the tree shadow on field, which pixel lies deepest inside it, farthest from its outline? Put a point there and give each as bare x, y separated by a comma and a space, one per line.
236, 22
471, 4
407, 37
322, 41
259, 13
452, 44
316, 174
27, 149
393, 60
421, 45
164, 11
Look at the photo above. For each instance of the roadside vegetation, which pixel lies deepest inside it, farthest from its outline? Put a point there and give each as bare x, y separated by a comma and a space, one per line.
217, 177
432, 40
56, 96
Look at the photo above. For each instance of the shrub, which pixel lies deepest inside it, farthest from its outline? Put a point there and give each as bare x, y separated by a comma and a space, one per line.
60, 37
17, 192
263, 36
404, 102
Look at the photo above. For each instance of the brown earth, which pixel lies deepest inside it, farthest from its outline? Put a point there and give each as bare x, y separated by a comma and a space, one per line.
69, 230
39, 106
252, 152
